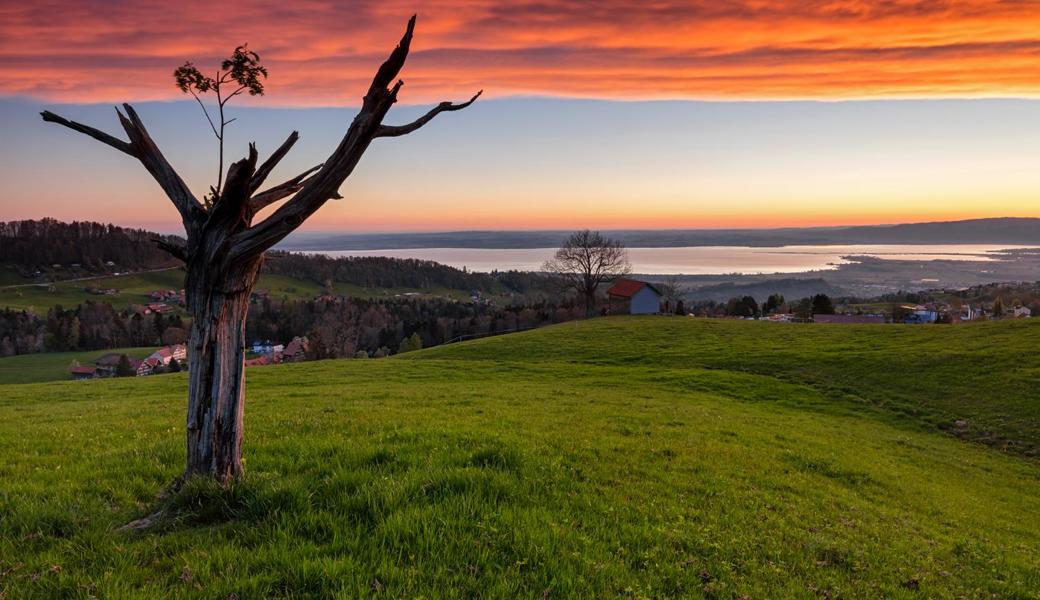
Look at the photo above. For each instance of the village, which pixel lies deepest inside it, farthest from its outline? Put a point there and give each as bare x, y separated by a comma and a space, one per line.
632, 296
626, 296
173, 359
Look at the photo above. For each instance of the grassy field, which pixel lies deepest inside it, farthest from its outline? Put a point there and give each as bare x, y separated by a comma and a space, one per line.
53, 366
133, 289
632, 458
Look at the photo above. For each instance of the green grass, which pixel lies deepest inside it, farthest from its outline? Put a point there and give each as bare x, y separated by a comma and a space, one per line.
987, 374
54, 366
9, 276
133, 289
633, 458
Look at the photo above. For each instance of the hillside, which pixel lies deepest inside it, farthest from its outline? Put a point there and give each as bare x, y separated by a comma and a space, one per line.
634, 458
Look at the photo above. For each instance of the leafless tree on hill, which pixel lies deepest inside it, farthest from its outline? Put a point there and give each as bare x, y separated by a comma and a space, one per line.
586, 260
225, 248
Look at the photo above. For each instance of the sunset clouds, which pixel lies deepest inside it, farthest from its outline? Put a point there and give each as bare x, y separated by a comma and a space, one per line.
323, 52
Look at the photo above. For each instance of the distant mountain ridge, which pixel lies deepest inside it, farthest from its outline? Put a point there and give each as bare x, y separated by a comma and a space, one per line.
1004, 230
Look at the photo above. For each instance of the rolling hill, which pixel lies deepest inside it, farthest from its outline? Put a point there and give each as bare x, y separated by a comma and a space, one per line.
620, 457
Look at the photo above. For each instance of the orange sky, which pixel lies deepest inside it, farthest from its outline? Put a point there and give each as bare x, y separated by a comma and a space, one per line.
539, 161
322, 52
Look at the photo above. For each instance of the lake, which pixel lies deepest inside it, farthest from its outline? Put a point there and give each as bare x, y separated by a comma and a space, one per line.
698, 260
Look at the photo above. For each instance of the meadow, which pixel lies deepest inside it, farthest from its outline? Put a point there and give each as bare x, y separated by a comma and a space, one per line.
657, 457
54, 366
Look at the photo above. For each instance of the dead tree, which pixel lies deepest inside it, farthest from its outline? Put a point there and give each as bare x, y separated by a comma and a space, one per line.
225, 249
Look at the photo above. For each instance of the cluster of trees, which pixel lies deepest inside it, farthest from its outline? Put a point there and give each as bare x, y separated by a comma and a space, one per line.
377, 271
36, 245
88, 326
349, 327
748, 307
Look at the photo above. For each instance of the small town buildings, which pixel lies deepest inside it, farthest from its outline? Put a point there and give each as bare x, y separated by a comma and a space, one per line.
108, 364
634, 297
267, 347
849, 319
920, 314
164, 355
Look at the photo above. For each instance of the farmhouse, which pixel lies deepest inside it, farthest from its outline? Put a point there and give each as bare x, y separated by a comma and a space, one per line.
296, 350
165, 354
82, 372
106, 364
634, 297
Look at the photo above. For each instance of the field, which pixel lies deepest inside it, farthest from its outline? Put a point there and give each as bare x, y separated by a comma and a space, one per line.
54, 366
624, 457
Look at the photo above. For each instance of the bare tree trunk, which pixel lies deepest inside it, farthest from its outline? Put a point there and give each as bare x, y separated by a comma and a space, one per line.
219, 304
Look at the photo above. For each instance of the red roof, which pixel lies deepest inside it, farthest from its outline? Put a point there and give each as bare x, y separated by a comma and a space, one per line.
626, 288
82, 370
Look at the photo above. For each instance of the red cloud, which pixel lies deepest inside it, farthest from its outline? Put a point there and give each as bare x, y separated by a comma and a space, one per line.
323, 52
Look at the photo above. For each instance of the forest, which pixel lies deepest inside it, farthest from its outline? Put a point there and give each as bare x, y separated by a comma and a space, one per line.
336, 326
32, 247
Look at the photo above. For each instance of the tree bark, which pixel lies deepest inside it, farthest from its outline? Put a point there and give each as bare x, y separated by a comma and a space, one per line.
218, 303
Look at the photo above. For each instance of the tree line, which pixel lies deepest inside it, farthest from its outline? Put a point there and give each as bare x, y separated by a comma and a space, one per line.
383, 272
336, 327
88, 326
748, 307
31, 246
341, 327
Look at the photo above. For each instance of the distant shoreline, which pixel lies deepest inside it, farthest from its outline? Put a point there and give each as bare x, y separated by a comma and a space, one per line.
1011, 232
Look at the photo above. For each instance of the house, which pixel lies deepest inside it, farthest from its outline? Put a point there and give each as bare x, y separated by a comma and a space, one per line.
267, 347
296, 350
147, 366
168, 353
634, 297
156, 307
159, 295
106, 364
849, 319
920, 314
1021, 311
82, 372
162, 356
